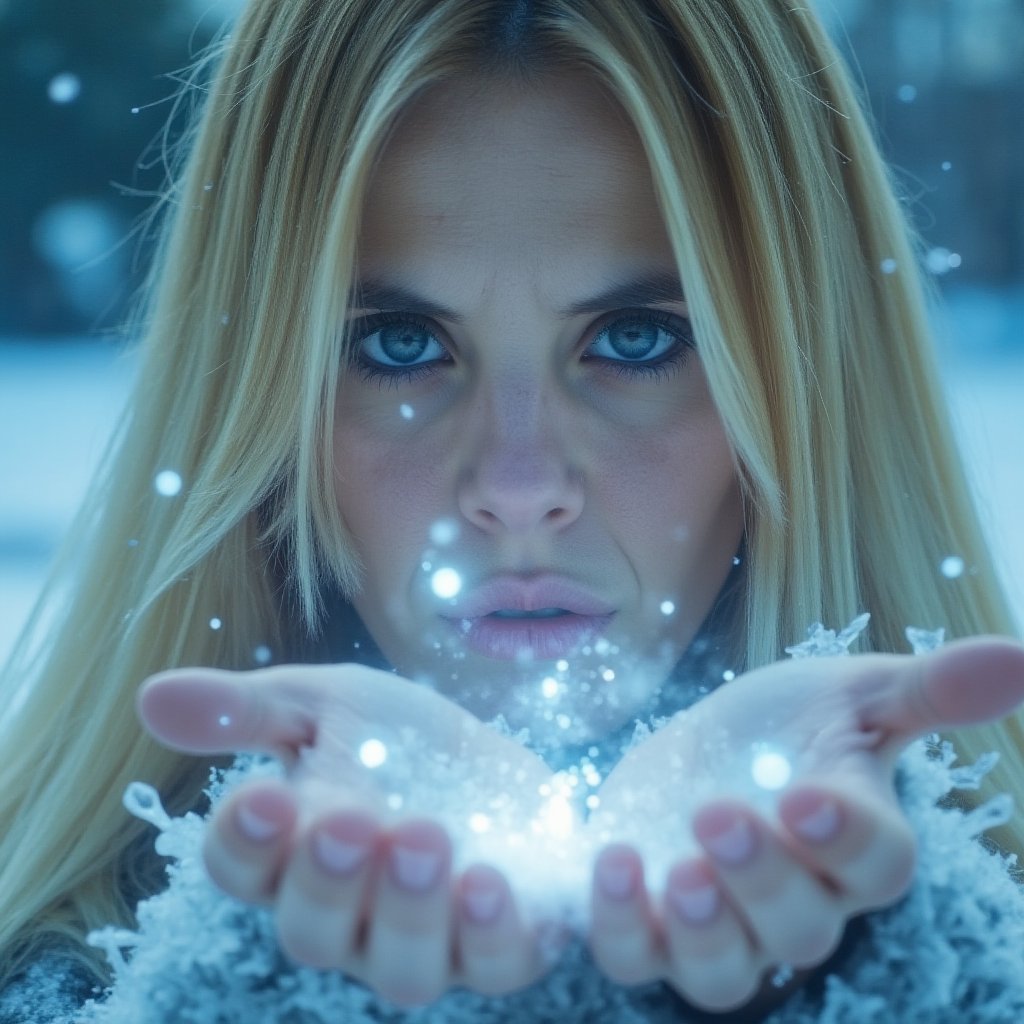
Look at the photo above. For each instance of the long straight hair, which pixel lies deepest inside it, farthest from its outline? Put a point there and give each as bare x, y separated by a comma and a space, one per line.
781, 215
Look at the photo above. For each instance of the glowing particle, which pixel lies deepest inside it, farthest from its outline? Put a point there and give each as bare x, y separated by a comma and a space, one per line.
208, 187
601, 646
906, 93
406, 411
262, 654
771, 770
135, 110
215, 623
395, 801
133, 543
607, 675
224, 721
947, 165
443, 532
667, 607
562, 665
426, 565
955, 260
593, 801
736, 559
556, 817
446, 583
373, 753
563, 721
952, 567
941, 261
549, 687
889, 265
479, 823
64, 88
728, 675
167, 483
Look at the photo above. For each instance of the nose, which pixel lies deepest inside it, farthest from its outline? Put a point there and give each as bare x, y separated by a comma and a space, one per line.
518, 479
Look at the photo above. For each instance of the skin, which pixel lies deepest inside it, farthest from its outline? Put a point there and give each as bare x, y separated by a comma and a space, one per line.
507, 205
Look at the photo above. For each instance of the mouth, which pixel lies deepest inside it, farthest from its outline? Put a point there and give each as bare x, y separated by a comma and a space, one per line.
540, 613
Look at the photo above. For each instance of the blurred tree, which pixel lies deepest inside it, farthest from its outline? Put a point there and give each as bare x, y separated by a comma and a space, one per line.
70, 76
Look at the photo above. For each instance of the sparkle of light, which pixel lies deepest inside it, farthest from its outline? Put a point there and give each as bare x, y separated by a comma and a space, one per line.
407, 411
608, 675
446, 583
215, 623
479, 823
556, 817
947, 165
907, 93
952, 567
167, 483
728, 675
889, 266
549, 687
64, 88
771, 770
224, 721
262, 654
443, 532
373, 753
562, 665
667, 607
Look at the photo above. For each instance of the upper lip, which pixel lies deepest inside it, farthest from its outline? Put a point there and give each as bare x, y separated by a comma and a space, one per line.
528, 594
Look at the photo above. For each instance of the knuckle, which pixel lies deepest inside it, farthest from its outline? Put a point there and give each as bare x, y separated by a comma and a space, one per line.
306, 946
811, 945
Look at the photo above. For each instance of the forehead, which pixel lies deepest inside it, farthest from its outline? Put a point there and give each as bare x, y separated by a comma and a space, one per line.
543, 164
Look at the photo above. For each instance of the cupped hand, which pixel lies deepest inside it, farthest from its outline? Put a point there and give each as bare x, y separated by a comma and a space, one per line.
358, 883
750, 875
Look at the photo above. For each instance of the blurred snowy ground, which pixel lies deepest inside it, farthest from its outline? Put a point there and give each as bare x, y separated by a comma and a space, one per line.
59, 403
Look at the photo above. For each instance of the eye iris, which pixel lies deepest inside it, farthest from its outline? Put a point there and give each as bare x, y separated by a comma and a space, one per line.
634, 341
404, 343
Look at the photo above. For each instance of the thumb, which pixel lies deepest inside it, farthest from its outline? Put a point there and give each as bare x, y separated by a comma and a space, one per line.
212, 711
967, 682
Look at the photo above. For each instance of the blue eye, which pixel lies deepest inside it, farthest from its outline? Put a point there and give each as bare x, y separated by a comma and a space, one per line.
395, 347
644, 341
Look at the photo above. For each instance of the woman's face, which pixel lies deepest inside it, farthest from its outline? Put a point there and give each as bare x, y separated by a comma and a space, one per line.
537, 482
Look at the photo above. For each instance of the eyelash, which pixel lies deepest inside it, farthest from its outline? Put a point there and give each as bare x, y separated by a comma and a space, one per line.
392, 376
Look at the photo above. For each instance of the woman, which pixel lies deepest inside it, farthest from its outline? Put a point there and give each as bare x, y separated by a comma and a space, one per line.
503, 330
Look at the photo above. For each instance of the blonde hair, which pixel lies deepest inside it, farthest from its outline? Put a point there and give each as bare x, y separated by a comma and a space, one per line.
781, 214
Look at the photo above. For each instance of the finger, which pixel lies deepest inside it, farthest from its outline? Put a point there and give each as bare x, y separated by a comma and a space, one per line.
712, 960
792, 915
863, 847
211, 711
966, 682
248, 840
495, 952
324, 893
623, 935
409, 947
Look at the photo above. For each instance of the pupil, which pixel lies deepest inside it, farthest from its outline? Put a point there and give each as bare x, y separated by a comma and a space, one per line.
404, 343
634, 341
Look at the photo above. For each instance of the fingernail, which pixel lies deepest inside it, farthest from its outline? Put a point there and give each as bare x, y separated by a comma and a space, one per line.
697, 906
482, 904
733, 845
254, 826
617, 879
337, 856
821, 824
415, 870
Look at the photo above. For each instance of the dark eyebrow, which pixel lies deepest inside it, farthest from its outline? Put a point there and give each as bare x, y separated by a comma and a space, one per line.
644, 290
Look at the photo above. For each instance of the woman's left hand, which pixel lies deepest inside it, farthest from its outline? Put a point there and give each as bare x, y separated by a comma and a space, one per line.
767, 886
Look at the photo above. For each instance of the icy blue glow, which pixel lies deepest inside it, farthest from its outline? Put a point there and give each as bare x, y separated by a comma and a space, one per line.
373, 753
889, 266
446, 583
444, 532
167, 483
224, 721
479, 823
952, 567
667, 607
907, 93
64, 88
407, 411
771, 770
262, 655
549, 687
215, 623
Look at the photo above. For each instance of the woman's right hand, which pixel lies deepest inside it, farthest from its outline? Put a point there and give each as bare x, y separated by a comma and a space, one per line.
354, 887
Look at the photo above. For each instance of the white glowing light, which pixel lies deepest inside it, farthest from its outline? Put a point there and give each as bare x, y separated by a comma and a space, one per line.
224, 721
406, 411
771, 770
446, 583
215, 623
549, 687
601, 646
64, 88
563, 721
593, 801
395, 801
889, 266
262, 655
167, 483
443, 532
562, 665
728, 675
947, 165
373, 753
952, 567
667, 607
556, 817
907, 93
479, 823
608, 675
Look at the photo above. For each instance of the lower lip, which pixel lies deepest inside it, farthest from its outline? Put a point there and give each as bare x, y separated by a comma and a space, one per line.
540, 639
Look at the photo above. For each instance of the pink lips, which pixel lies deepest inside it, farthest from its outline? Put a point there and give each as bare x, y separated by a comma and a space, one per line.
582, 616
